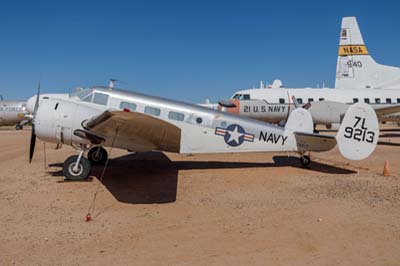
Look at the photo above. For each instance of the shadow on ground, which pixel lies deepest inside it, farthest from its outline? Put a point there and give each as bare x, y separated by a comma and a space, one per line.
151, 177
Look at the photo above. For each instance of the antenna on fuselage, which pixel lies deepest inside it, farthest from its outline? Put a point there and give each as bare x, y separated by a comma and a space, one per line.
111, 83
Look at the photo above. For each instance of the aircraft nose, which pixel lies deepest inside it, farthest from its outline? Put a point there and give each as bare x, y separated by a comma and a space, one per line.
30, 104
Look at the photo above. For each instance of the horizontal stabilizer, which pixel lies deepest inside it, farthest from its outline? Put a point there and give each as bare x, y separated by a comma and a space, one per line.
314, 142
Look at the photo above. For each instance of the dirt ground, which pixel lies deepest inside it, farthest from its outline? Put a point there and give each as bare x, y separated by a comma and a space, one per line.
168, 209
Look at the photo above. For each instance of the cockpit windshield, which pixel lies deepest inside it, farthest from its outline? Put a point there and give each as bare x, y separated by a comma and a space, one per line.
81, 94
241, 97
236, 97
91, 96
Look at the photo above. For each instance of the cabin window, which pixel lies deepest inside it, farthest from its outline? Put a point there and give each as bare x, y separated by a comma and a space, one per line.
223, 124
321, 99
300, 101
129, 106
100, 98
176, 116
366, 100
310, 100
152, 111
355, 100
377, 100
199, 120
246, 97
281, 100
398, 100
388, 100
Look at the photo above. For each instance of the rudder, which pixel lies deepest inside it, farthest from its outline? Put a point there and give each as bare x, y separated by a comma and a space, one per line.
359, 132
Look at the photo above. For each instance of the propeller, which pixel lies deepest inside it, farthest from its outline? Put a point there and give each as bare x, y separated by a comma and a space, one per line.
33, 134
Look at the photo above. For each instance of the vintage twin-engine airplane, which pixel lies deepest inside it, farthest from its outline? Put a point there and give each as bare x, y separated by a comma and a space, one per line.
358, 79
12, 113
101, 116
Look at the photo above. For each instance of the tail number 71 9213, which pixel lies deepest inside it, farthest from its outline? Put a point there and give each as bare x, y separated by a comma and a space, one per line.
359, 132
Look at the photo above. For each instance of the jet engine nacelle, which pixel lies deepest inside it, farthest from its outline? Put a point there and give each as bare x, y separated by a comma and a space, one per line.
57, 119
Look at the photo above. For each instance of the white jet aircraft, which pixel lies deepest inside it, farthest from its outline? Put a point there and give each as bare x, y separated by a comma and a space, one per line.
359, 79
102, 117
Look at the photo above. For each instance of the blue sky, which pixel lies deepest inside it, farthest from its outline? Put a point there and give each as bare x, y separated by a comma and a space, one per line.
186, 50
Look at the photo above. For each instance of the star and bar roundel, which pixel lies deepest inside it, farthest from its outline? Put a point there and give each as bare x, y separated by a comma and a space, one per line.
234, 135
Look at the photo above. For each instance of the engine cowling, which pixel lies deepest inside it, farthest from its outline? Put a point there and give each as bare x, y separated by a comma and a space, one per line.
57, 119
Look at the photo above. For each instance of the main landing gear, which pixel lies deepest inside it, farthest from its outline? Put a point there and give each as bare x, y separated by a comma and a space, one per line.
97, 155
77, 167
305, 160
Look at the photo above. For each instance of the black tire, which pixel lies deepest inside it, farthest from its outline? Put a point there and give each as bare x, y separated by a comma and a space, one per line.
97, 155
84, 168
305, 160
19, 127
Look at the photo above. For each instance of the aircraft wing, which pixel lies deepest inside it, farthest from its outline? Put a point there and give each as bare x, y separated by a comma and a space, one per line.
388, 110
314, 142
136, 131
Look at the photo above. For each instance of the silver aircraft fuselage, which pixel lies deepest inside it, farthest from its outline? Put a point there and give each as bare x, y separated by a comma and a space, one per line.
12, 112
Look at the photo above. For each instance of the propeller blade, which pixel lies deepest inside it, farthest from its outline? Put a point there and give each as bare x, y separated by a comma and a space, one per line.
37, 99
32, 145
33, 134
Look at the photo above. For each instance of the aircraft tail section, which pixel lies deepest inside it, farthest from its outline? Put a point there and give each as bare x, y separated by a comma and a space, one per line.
356, 139
359, 132
355, 66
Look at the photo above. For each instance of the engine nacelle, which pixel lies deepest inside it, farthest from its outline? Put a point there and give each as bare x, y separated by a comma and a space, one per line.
57, 119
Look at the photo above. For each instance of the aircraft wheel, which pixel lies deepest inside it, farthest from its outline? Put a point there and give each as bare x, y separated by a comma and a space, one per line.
305, 160
97, 155
19, 127
82, 172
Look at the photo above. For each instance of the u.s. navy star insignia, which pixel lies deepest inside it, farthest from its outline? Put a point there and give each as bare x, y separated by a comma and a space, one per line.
234, 135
